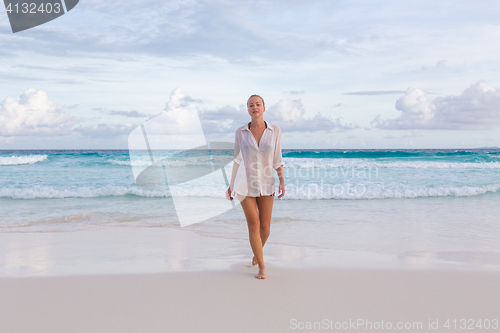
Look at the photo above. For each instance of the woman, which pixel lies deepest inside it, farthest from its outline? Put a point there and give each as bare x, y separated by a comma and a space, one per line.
257, 151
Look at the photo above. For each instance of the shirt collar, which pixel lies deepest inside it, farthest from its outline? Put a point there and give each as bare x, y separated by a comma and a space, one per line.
268, 126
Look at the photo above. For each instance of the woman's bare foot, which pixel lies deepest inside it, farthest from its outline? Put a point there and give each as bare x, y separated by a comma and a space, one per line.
254, 261
261, 274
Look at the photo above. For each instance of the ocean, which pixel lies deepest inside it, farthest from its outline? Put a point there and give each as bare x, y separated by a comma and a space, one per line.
408, 201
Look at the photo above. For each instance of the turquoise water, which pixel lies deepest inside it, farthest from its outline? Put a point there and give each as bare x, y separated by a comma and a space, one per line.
33, 175
370, 200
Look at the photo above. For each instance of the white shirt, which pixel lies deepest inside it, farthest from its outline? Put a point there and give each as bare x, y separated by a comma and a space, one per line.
255, 175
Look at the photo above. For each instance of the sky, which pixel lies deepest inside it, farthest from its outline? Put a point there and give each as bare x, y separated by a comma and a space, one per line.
333, 74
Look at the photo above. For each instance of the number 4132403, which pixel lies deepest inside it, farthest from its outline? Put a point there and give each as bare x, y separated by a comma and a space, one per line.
33, 8
470, 324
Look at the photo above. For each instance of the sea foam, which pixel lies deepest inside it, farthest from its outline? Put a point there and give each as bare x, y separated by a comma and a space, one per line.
19, 160
308, 191
367, 163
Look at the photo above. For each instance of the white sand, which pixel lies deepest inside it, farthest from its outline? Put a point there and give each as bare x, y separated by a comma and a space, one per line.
234, 301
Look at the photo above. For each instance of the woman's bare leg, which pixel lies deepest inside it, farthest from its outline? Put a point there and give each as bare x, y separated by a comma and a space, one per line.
265, 207
249, 206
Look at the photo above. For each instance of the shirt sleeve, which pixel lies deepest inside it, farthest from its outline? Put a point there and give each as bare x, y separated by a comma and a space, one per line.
277, 159
238, 158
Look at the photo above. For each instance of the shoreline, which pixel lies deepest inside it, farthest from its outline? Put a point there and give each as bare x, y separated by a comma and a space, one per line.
234, 301
163, 250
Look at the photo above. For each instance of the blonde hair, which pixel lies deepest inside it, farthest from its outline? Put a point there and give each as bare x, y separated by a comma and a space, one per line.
263, 104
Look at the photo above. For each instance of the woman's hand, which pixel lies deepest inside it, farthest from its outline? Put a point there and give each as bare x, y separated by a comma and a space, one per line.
228, 194
281, 190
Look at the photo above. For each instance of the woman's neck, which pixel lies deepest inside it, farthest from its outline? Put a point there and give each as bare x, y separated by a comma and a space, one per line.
257, 123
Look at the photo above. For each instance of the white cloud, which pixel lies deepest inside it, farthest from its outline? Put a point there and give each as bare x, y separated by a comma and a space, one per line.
177, 100
34, 114
223, 120
289, 115
189, 28
132, 114
106, 130
477, 108
178, 117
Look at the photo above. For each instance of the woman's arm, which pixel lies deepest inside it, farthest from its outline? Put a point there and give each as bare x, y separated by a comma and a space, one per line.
231, 184
233, 176
236, 163
278, 162
281, 176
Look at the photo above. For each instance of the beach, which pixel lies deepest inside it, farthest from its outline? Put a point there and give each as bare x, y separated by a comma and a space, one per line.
234, 301
175, 280
361, 238
365, 132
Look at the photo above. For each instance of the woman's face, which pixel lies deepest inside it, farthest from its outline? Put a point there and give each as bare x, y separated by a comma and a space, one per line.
255, 107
